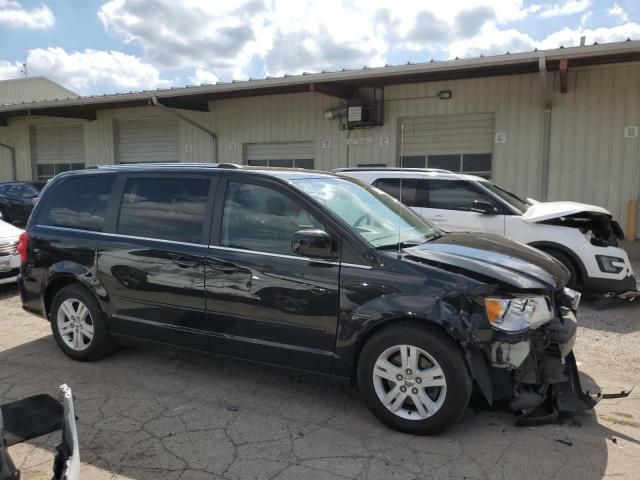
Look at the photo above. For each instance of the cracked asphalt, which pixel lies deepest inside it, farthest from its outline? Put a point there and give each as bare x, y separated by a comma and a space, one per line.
156, 412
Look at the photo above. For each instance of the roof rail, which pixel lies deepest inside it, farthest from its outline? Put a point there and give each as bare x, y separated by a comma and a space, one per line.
391, 169
170, 165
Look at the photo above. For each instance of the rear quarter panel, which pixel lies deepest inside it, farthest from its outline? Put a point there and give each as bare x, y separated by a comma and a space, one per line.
55, 253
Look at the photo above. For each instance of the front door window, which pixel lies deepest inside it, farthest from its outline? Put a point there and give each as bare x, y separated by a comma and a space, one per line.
262, 219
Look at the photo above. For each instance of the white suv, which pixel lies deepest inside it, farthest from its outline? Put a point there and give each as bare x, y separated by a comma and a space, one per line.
9, 257
582, 237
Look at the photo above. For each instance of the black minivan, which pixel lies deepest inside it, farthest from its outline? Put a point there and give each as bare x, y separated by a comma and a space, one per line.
307, 270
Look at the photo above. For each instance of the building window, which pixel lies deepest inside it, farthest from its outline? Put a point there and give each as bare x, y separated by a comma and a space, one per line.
413, 161
286, 163
477, 164
372, 165
471, 163
445, 162
46, 171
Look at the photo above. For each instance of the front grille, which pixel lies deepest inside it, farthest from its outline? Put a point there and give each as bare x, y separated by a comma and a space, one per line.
8, 249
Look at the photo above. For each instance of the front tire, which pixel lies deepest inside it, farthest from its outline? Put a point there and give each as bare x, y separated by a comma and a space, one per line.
414, 379
78, 324
573, 282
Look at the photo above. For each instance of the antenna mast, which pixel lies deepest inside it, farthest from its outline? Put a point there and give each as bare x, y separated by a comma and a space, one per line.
400, 188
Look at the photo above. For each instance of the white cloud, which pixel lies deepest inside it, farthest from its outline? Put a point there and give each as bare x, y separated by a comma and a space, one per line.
618, 12
239, 38
493, 41
584, 19
570, 7
10, 70
203, 77
228, 38
571, 38
15, 15
84, 71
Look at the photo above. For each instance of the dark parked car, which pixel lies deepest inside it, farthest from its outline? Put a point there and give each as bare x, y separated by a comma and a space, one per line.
16, 201
306, 270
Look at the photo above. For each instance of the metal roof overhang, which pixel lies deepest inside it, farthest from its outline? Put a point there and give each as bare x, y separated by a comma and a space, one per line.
340, 84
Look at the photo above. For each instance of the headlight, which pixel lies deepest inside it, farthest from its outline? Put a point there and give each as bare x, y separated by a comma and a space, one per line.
610, 264
571, 298
518, 314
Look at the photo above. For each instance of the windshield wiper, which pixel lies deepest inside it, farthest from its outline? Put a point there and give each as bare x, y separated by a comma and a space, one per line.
405, 244
409, 243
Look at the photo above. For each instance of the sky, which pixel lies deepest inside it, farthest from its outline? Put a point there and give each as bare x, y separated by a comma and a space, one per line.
96, 46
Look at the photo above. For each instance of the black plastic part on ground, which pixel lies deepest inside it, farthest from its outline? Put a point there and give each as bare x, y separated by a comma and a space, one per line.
30, 418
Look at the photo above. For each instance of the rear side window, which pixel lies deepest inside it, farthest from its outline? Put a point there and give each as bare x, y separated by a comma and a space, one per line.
164, 208
14, 191
79, 202
414, 191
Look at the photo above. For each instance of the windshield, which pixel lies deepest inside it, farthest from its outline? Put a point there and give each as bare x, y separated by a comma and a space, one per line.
379, 218
511, 198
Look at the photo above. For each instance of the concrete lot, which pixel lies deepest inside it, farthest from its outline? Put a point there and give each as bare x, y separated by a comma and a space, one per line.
149, 413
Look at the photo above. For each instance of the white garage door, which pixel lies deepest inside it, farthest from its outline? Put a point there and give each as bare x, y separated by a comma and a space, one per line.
58, 149
292, 155
461, 142
147, 140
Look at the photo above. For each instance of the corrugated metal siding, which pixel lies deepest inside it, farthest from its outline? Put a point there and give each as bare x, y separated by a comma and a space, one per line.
447, 134
515, 102
99, 142
31, 89
591, 161
195, 144
147, 140
6, 167
278, 119
279, 151
58, 144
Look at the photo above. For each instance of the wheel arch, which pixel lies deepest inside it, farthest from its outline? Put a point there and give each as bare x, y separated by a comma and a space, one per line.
372, 330
57, 283
545, 246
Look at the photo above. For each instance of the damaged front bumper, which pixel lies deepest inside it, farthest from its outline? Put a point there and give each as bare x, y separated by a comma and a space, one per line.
535, 372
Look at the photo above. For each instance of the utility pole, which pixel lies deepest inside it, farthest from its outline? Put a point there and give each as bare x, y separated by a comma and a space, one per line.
24, 70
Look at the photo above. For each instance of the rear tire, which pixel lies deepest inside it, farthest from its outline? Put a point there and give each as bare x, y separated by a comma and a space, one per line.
78, 324
414, 378
574, 276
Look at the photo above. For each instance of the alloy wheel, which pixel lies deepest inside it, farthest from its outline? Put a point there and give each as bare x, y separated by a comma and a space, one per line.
75, 324
409, 382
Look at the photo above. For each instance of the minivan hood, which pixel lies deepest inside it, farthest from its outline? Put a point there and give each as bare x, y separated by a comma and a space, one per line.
541, 211
494, 256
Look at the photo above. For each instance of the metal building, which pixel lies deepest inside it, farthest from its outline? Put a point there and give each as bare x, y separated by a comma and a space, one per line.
554, 124
24, 91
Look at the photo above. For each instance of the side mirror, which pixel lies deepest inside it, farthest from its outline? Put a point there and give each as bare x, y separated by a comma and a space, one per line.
485, 208
312, 243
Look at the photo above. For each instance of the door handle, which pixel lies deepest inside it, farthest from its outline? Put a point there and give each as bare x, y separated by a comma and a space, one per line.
226, 267
184, 263
228, 270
